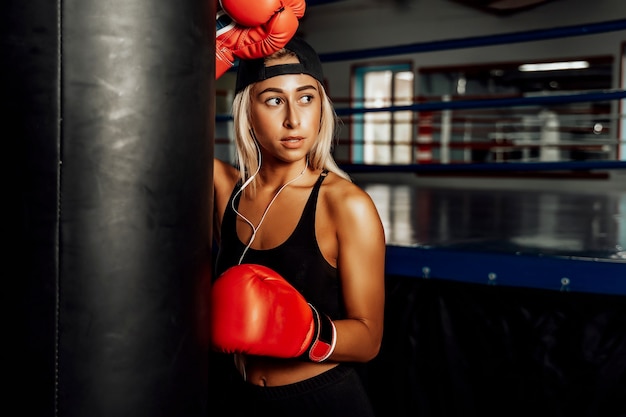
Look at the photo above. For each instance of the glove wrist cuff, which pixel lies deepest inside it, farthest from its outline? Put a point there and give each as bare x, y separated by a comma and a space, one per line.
325, 339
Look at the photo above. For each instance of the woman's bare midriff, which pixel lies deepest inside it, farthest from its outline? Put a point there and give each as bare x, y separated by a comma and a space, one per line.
270, 372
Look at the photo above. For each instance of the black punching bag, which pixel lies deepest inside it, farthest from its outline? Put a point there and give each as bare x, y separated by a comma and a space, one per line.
107, 128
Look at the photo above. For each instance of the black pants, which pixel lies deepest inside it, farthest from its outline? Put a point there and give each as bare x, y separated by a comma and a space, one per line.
336, 392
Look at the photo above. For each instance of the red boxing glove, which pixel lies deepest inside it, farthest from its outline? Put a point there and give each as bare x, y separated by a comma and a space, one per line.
235, 41
255, 311
253, 13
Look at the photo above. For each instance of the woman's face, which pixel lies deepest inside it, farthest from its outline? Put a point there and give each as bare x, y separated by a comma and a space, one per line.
285, 114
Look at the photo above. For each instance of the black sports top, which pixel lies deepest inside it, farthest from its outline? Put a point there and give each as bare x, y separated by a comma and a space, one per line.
298, 259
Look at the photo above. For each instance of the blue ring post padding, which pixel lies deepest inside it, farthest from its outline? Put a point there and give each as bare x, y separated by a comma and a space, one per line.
546, 272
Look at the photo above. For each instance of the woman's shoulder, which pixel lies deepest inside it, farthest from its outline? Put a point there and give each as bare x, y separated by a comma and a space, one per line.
353, 212
224, 167
343, 195
225, 175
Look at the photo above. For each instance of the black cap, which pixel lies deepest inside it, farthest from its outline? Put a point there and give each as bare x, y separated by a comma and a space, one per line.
253, 70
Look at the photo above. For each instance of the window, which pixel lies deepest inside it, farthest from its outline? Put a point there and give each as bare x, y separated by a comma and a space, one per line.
383, 137
542, 132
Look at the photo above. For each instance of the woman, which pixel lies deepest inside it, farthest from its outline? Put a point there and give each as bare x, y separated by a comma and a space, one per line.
289, 207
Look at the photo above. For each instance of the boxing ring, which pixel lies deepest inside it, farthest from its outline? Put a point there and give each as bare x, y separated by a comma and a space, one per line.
505, 286
529, 236
539, 238
500, 299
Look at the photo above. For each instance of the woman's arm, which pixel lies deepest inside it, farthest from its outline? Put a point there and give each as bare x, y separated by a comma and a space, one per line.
361, 266
225, 177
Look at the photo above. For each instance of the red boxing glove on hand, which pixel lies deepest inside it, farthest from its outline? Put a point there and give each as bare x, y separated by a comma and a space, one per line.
256, 12
255, 311
232, 40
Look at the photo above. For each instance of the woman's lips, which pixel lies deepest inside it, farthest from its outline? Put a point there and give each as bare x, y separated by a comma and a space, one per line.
292, 142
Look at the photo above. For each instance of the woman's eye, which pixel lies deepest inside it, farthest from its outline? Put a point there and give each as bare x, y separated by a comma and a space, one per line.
274, 101
306, 99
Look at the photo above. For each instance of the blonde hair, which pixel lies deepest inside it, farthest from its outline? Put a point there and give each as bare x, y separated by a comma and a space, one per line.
247, 156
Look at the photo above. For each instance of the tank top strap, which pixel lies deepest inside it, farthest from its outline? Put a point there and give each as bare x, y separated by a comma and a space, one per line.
305, 228
315, 191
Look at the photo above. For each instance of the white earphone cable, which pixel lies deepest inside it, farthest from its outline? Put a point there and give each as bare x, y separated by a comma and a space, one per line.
255, 229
